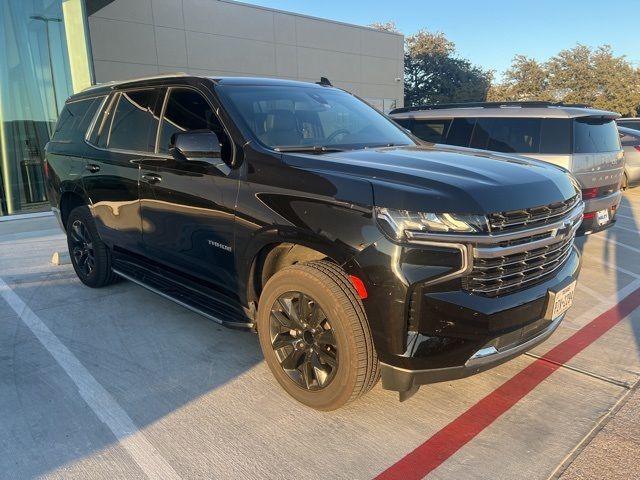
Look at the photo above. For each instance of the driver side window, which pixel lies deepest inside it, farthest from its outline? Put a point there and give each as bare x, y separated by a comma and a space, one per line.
186, 110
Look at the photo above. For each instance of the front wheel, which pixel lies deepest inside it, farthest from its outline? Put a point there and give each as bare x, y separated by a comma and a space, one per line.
315, 336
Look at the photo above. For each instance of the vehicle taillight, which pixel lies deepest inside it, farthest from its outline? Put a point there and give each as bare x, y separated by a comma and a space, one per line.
589, 192
45, 168
637, 147
589, 215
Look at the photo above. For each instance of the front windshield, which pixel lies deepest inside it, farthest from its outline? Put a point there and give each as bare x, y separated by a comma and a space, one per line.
292, 116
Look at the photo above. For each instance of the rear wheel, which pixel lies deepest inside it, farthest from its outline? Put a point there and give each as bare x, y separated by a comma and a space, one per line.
90, 257
315, 336
625, 182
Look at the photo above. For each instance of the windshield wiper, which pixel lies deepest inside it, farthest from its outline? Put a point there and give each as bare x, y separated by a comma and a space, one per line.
382, 145
317, 149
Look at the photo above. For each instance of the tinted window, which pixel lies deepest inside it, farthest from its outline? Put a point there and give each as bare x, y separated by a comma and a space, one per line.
135, 121
460, 131
186, 110
515, 135
297, 116
75, 119
593, 135
433, 131
629, 140
555, 136
635, 124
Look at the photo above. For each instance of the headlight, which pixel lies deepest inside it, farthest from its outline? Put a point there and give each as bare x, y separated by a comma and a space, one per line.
397, 222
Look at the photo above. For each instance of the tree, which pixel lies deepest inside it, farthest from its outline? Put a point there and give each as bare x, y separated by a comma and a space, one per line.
433, 74
527, 79
595, 77
388, 26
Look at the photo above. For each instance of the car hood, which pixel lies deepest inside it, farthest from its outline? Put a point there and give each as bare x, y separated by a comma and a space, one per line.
447, 179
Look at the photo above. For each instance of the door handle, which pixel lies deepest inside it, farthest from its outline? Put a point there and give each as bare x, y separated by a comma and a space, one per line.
93, 168
151, 178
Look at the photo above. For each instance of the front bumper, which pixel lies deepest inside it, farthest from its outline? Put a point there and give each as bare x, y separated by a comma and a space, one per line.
402, 379
461, 334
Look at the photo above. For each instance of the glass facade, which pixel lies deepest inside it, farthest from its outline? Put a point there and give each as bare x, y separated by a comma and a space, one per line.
43, 60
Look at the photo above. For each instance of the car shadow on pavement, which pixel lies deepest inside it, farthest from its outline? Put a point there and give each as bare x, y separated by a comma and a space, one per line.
151, 355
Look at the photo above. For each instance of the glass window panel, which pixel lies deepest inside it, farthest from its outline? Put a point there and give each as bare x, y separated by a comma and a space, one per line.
135, 121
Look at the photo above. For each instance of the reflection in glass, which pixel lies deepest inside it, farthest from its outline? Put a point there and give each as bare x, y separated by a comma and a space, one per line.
35, 80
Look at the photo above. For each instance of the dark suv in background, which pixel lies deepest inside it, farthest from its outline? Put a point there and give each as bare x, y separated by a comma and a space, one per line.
300, 211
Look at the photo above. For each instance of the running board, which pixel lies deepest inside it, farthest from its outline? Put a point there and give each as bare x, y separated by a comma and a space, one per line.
196, 302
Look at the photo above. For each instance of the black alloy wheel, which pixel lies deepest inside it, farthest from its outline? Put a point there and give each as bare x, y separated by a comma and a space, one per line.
303, 340
81, 246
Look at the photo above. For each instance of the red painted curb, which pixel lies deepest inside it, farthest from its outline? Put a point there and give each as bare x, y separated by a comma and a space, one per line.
451, 438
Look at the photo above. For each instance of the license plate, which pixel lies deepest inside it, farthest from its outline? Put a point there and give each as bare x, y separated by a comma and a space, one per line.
602, 217
562, 300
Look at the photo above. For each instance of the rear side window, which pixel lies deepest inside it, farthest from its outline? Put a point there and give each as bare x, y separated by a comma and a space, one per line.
75, 119
523, 135
135, 121
434, 131
595, 135
460, 131
403, 122
555, 136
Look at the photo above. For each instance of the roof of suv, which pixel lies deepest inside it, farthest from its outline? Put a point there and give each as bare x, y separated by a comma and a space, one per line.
103, 88
503, 109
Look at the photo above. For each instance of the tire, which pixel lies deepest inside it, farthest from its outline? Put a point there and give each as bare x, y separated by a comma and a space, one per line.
625, 182
325, 362
90, 257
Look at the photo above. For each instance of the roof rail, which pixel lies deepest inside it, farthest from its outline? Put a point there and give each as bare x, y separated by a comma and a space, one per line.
114, 83
522, 104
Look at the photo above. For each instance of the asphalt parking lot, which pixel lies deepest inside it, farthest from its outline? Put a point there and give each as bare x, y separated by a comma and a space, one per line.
120, 383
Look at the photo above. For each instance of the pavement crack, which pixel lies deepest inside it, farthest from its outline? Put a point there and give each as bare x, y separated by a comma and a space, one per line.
581, 371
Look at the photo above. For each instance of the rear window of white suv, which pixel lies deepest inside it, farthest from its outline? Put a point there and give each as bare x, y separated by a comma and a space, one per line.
595, 135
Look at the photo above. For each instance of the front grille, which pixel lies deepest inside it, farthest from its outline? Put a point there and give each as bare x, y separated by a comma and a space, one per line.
531, 217
525, 247
509, 273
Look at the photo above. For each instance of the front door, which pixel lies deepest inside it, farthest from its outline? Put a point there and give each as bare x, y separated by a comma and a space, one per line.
188, 209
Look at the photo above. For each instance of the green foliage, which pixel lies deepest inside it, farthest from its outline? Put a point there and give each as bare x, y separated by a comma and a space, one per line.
433, 74
595, 77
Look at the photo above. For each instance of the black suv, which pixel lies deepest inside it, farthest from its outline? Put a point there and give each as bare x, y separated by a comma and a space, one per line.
300, 211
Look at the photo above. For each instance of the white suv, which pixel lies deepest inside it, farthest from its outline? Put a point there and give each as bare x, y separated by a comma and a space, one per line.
583, 140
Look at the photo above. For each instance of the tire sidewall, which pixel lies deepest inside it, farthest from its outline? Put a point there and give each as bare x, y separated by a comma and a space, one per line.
339, 391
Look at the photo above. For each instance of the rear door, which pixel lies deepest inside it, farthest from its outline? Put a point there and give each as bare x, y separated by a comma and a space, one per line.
123, 136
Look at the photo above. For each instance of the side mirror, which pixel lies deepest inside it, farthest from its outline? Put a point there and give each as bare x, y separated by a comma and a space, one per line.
198, 146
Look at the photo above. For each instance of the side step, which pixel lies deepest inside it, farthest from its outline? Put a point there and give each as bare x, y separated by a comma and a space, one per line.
196, 301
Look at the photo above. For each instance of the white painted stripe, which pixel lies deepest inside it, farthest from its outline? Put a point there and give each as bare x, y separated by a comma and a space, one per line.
590, 291
613, 266
624, 216
632, 230
97, 398
26, 216
620, 244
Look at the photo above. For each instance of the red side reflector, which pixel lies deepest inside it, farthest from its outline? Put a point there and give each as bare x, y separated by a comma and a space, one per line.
359, 286
589, 215
590, 192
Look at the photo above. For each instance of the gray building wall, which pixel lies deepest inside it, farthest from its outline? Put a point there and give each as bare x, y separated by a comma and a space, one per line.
132, 38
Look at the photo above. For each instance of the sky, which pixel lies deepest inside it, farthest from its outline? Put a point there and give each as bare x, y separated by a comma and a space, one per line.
489, 33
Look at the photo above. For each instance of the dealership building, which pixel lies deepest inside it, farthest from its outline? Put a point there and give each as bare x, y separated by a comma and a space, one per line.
51, 49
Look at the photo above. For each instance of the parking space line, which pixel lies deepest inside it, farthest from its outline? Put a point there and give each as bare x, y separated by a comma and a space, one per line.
95, 395
632, 230
590, 291
451, 438
625, 216
620, 244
